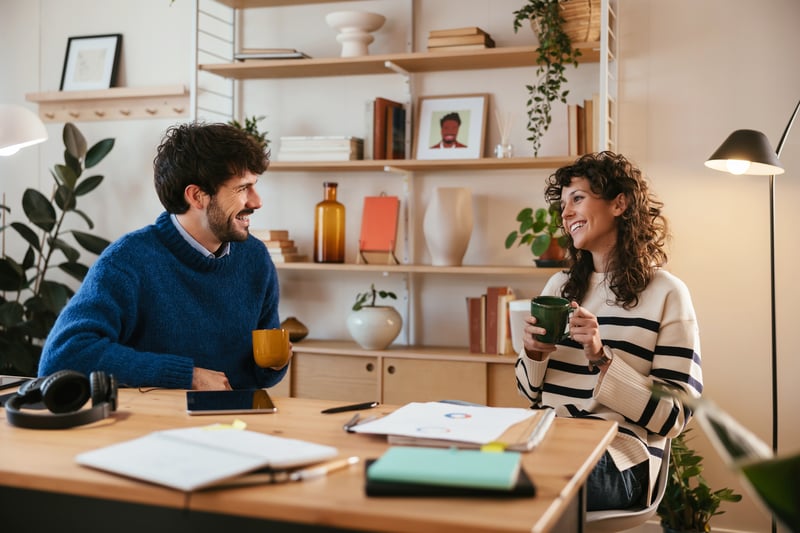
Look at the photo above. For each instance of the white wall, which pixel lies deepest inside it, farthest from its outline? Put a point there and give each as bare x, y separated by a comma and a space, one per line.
692, 71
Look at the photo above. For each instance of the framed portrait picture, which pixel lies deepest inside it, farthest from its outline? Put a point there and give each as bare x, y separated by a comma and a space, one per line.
91, 62
451, 126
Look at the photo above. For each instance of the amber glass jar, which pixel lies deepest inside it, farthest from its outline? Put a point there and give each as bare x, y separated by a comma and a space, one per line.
329, 228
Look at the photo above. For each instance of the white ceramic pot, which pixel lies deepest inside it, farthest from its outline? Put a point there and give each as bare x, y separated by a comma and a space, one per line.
354, 29
374, 328
447, 225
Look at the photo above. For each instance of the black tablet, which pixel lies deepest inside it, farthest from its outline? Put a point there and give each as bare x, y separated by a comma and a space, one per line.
218, 402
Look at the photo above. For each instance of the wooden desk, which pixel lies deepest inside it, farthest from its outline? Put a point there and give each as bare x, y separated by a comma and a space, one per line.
38, 472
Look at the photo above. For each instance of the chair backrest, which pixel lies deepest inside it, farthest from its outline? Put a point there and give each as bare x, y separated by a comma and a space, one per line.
611, 520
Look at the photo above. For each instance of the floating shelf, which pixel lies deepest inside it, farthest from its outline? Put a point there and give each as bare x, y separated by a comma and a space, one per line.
417, 165
118, 103
477, 270
505, 57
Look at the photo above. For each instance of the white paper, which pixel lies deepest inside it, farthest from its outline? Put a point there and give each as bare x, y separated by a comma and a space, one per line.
441, 420
193, 458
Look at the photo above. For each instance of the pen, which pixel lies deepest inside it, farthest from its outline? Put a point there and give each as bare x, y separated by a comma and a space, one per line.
352, 407
323, 469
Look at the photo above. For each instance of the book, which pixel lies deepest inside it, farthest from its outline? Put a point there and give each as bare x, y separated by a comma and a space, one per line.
523, 487
447, 467
282, 250
458, 48
475, 320
286, 54
450, 32
188, 459
279, 244
591, 108
492, 312
379, 226
577, 137
288, 258
270, 234
504, 345
520, 437
380, 125
395, 132
456, 40
318, 155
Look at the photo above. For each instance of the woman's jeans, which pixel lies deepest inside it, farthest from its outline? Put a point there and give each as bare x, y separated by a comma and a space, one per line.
608, 488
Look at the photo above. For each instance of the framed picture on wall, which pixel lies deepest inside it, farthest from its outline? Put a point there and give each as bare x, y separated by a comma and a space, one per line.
451, 126
91, 62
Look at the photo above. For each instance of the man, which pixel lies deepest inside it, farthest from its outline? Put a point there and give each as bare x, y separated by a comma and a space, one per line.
174, 304
450, 123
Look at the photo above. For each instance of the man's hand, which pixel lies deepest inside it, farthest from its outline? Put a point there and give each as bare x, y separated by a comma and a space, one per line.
205, 379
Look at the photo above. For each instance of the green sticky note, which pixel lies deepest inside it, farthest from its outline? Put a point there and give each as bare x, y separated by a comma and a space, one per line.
447, 467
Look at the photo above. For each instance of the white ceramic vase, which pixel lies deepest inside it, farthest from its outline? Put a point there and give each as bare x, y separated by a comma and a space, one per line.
374, 328
354, 29
447, 225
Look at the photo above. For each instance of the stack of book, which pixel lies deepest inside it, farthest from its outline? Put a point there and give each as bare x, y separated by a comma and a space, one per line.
489, 322
269, 53
459, 39
583, 127
321, 148
280, 247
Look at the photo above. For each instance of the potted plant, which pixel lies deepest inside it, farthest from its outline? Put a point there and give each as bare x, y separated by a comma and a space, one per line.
540, 229
251, 127
30, 299
555, 52
372, 326
689, 503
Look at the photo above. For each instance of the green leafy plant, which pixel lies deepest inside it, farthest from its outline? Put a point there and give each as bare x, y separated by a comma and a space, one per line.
30, 299
370, 296
537, 229
689, 503
251, 127
555, 52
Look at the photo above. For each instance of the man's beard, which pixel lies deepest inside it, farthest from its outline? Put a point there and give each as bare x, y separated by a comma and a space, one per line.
224, 228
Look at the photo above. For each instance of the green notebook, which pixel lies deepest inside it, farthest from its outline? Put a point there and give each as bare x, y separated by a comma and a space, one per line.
447, 467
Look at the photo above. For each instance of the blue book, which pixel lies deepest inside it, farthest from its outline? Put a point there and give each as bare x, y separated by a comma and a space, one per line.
447, 467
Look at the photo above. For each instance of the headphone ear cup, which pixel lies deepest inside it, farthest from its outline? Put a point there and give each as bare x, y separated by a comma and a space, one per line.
100, 387
65, 391
31, 391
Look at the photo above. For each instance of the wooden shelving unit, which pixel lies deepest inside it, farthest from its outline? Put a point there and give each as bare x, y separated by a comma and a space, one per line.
118, 103
417, 165
468, 270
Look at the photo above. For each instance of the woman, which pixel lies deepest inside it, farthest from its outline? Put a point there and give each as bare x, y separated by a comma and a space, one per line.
633, 325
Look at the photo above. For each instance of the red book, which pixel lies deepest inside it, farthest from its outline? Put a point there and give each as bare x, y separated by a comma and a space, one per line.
475, 319
492, 317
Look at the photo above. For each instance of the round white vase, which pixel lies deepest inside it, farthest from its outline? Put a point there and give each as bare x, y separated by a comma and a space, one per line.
374, 328
447, 225
354, 29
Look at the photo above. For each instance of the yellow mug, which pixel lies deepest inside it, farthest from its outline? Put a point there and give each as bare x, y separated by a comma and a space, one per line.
271, 347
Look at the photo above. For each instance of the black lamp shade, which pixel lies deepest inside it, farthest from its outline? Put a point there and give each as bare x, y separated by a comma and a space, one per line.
750, 146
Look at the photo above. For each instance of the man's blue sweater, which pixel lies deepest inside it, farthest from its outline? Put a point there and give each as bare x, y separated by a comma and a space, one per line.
152, 308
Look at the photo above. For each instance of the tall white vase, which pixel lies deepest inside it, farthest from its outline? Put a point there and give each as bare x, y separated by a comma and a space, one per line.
447, 225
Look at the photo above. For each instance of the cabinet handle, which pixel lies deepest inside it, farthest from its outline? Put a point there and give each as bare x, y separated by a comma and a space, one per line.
370, 367
390, 369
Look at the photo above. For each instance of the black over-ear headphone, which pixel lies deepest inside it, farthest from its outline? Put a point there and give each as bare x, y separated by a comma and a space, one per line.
63, 393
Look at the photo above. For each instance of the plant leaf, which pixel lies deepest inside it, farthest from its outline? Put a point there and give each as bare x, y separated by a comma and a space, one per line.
12, 278
97, 152
75, 269
91, 243
38, 209
87, 185
66, 175
74, 141
26, 233
65, 198
69, 252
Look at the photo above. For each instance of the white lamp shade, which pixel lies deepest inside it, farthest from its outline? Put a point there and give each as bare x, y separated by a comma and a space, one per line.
19, 127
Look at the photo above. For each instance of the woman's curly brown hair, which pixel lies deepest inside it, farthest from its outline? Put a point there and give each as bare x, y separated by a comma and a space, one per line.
642, 230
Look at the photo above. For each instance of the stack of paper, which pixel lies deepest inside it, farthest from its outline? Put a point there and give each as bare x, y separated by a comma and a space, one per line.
462, 426
320, 148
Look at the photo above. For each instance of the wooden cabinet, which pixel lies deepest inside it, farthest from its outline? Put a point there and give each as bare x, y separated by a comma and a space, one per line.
334, 377
422, 380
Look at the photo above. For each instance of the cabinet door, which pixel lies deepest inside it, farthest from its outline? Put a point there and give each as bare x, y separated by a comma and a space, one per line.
283, 388
420, 380
335, 377
503, 386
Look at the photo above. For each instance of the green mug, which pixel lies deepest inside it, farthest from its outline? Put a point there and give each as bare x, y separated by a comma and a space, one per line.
552, 314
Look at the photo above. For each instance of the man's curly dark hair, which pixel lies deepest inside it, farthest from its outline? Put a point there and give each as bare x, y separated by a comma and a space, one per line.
642, 231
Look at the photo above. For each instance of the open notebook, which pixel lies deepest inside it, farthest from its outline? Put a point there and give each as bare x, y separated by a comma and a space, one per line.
194, 458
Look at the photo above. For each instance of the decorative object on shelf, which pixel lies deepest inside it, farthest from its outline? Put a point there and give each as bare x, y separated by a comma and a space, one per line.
447, 225
251, 127
504, 150
557, 24
689, 503
30, 302
379, 230
540, 230
354, 29
451, 126
329, 227
19, 128
372, 326
91, 62
297, 330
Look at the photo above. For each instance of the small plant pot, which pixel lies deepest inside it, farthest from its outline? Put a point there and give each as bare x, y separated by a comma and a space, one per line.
374, 328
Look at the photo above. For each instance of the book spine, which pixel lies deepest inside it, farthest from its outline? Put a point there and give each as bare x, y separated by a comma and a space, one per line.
475, 320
